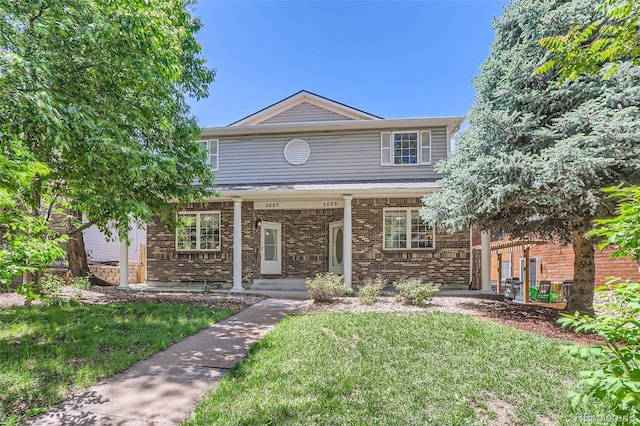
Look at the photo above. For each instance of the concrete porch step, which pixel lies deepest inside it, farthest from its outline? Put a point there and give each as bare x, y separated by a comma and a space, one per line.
288, 284
455, 287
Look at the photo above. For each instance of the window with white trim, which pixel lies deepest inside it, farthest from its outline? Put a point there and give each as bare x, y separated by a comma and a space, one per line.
404, 229
198, 231
211, 147
406, 148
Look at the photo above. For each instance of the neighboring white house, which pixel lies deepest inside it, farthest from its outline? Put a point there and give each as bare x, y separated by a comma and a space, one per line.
101, 249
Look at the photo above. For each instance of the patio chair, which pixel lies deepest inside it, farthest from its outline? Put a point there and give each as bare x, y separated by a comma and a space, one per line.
516, 288
544, 289
508, 289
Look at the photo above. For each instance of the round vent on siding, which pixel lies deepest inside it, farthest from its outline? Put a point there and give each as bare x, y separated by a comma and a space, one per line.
296, 152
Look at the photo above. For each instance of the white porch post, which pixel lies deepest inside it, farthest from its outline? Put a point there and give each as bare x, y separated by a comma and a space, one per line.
124, 263
485, 260
237, 245
346, 242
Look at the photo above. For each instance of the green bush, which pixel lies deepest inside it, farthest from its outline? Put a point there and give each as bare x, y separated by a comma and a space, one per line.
369, 292
325, 287
617, 381
415, 291
48, 288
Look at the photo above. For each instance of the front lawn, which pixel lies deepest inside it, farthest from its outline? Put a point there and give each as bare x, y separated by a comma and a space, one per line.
402, 369
47, 352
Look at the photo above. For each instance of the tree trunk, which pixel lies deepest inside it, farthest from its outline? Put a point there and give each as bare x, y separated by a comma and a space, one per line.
584, 271
77, 255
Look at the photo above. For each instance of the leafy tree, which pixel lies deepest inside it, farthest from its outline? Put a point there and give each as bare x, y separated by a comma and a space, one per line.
622, 232
96, 91
27, 244
537, 153
587, 47
616, 381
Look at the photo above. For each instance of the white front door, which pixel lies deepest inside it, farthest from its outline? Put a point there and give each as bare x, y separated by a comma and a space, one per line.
336, 252
271, 248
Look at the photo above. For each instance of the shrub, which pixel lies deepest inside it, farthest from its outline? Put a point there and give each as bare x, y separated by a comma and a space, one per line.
325, 287
617, 381
48, 288
369, 292
415, 291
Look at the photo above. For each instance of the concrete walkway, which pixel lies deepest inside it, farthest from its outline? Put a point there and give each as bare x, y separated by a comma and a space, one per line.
165, 389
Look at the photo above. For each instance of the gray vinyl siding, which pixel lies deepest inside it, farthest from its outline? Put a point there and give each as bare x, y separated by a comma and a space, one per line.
334, 157
303, 113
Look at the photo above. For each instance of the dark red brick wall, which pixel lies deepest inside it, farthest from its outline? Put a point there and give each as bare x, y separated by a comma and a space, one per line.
447, 264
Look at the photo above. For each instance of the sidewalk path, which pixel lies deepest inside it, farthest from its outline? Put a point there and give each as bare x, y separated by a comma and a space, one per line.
165, 388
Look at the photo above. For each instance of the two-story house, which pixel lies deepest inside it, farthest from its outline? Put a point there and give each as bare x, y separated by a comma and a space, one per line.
310, 185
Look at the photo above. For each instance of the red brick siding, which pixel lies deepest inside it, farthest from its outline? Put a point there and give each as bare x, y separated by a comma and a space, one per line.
555, 263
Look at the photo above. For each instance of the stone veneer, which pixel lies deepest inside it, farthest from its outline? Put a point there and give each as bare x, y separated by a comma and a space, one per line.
305, 247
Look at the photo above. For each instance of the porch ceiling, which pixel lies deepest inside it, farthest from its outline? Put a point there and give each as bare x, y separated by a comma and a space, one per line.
333, 189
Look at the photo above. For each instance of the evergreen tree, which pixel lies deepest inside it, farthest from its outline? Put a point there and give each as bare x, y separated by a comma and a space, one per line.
538, 152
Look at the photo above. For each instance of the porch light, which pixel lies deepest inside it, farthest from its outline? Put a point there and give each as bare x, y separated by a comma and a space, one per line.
258, 223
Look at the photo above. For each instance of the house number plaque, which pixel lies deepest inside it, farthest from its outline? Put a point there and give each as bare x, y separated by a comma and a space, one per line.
298, 205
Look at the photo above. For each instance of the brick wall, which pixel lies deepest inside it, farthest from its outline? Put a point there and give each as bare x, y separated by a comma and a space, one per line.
447, 264
555, 263
305, 247
111, 274
165, 264
305, 243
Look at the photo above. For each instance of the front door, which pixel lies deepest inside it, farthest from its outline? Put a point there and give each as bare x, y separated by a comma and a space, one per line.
533, 270
336, 252
271, 248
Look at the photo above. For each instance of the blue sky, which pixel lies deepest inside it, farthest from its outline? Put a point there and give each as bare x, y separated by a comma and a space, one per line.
394, 59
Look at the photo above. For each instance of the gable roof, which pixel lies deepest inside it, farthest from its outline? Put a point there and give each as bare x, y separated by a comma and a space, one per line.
296, 99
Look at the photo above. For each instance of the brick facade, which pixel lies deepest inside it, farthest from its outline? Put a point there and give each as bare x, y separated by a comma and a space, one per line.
305, 247
555, 263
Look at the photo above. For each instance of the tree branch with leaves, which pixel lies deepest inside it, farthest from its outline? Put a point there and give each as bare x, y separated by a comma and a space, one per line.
96, 91
589, 47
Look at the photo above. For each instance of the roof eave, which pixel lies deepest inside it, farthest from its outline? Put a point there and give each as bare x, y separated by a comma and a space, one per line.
324, 193
452, 123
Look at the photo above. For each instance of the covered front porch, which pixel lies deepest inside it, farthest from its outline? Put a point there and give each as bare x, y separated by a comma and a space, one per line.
282, 232
526, 288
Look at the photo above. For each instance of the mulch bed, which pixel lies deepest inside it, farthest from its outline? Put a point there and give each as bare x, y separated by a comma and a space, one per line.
536, 319
102, 295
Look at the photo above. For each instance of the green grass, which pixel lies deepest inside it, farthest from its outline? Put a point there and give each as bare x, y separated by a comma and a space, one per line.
46, 352
389, 369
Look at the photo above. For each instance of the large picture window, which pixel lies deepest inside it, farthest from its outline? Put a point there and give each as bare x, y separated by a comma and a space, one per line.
198, 231
404, 229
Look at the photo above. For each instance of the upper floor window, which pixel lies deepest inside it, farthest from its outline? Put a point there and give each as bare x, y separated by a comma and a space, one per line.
405, 148
404, 229
211, 146
198, 231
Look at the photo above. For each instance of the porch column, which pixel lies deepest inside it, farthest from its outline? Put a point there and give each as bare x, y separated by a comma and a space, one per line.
124, 263
527, 276
237, 245
499, 273
485, 260
346, 242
